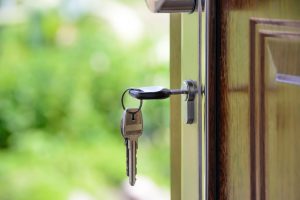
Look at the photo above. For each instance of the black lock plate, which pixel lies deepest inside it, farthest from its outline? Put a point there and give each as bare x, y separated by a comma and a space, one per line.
155, 92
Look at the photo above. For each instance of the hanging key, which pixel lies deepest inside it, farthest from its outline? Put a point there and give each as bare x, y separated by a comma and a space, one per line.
132, 129
156, 92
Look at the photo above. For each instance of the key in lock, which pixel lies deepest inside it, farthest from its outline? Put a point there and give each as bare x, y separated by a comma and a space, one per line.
157, 92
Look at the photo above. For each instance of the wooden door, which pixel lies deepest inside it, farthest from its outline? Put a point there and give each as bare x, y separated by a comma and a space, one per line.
253, 89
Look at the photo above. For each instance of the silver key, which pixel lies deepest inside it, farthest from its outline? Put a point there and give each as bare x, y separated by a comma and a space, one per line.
127, 150
132, 128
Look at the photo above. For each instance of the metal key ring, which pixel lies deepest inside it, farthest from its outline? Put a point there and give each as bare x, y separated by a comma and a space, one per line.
122, 102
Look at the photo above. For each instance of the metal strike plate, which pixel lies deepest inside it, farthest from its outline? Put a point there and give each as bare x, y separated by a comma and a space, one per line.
191, 87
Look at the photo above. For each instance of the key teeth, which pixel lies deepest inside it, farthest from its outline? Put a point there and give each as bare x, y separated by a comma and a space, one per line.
136, 147
127, 157
135, 164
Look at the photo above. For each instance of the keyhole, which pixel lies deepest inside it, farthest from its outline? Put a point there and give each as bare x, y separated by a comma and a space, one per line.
132, 117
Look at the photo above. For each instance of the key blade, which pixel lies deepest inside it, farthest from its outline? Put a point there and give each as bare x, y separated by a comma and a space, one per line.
132, 162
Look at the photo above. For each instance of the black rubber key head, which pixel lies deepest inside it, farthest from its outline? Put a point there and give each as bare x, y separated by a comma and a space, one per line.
155, 92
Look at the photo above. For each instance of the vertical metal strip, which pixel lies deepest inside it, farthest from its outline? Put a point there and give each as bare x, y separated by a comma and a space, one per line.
199, 118
190, 133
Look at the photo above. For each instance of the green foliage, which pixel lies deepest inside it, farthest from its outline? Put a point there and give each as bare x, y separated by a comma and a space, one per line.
60, 89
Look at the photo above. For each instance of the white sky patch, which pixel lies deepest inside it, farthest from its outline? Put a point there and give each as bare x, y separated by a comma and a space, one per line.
162, 50
11, 15
123, 20
144, 189
42, 4
80, 195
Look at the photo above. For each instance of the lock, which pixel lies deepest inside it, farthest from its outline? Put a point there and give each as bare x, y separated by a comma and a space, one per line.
189, 89
172, 6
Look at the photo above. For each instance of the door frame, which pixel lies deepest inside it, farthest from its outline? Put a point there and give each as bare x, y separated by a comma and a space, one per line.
176, 29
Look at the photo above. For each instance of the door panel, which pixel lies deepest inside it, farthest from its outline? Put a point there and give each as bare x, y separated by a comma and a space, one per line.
279, 103
257, 100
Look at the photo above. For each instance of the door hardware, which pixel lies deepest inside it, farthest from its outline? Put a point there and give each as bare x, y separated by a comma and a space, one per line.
172, 6
189, 88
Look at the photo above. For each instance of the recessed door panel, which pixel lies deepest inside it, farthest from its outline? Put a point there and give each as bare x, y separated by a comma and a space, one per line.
257, 99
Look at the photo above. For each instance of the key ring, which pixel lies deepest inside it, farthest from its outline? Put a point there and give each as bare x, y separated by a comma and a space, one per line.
122, 102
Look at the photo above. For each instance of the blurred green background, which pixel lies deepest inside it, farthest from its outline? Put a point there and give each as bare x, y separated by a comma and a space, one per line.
63, 67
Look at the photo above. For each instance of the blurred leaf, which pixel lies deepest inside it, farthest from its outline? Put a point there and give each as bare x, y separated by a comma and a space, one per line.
60, 87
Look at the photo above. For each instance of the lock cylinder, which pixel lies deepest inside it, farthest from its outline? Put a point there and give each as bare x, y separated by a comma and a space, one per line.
172, 6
